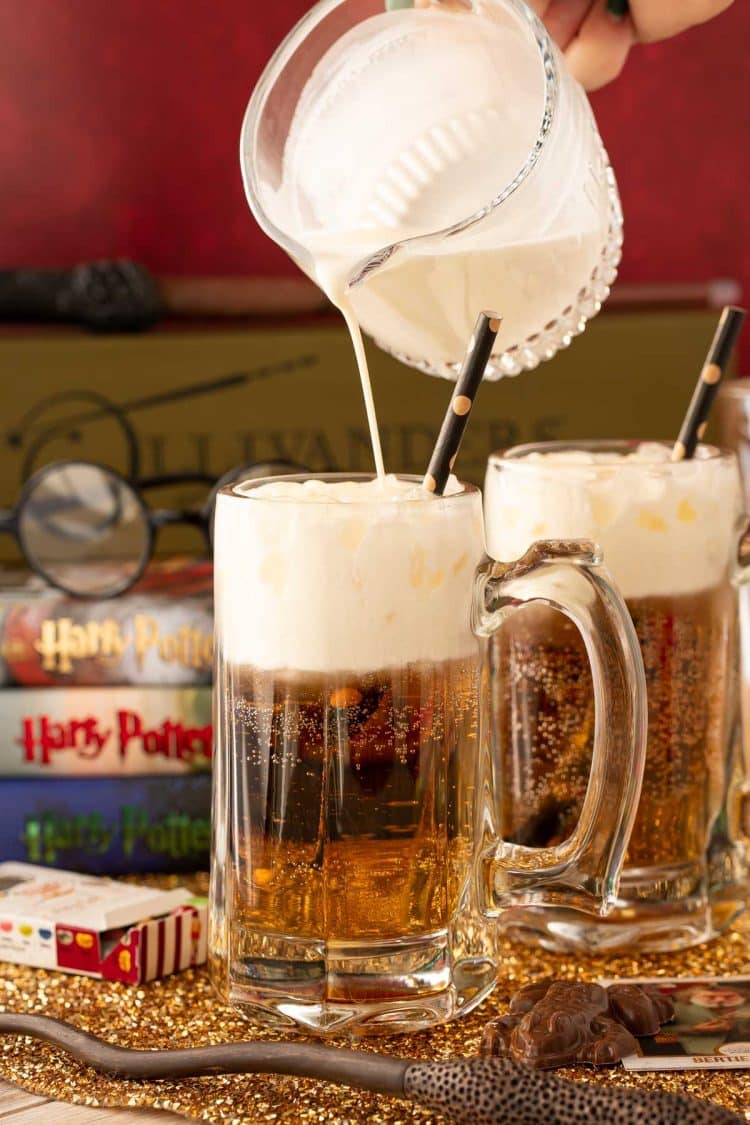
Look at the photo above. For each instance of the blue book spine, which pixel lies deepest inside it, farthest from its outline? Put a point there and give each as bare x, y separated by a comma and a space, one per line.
107, 826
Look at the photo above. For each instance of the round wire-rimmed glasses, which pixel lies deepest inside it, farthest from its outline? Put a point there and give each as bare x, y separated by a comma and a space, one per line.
85, 529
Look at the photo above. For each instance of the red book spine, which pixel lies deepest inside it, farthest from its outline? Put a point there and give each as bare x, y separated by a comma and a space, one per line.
105, 732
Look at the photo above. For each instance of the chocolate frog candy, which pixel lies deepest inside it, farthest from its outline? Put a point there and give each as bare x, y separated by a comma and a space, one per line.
561, 1023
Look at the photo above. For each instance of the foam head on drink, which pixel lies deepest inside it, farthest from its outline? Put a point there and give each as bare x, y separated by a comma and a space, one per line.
326, 577
664, 528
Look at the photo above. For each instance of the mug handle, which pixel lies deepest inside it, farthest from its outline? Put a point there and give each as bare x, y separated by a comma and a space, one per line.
583, 872
739, 790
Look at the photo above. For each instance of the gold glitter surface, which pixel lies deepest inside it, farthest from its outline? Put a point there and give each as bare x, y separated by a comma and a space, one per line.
182, 1010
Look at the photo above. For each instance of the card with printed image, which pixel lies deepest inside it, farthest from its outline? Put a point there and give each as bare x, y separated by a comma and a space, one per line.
710, 1029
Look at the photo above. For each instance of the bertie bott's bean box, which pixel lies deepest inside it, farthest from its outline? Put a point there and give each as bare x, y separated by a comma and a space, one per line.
98, 927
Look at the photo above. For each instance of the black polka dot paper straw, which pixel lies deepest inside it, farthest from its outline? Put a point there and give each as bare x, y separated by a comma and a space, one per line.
457, 415
696, 419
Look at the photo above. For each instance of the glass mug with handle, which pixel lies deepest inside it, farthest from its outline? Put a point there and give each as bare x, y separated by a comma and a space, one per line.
356, 871
670, 532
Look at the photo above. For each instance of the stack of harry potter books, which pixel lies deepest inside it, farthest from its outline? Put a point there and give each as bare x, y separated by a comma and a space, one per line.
105, 724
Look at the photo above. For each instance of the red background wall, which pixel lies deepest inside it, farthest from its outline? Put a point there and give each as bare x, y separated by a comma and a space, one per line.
119, 123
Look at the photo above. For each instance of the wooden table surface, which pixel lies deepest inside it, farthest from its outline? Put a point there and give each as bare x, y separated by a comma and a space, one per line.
19, 1108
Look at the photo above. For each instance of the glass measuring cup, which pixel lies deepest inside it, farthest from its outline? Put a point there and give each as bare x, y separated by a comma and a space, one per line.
427, 162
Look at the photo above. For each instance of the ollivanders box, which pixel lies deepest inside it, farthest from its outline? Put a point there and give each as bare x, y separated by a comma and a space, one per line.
98, 927
203, 400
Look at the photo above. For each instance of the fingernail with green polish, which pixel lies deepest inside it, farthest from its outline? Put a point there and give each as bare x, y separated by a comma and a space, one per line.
394, 5
618, 9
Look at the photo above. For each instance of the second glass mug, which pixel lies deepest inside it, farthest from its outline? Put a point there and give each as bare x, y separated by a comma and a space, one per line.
671, 534
357, 874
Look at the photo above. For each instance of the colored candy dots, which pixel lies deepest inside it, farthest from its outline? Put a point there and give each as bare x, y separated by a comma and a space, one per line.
25, 930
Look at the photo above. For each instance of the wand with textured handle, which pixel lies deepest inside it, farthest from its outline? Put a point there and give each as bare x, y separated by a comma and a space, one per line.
122, 296
495, 1091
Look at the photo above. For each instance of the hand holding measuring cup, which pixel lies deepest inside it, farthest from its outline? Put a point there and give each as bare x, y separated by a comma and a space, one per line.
596, 35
